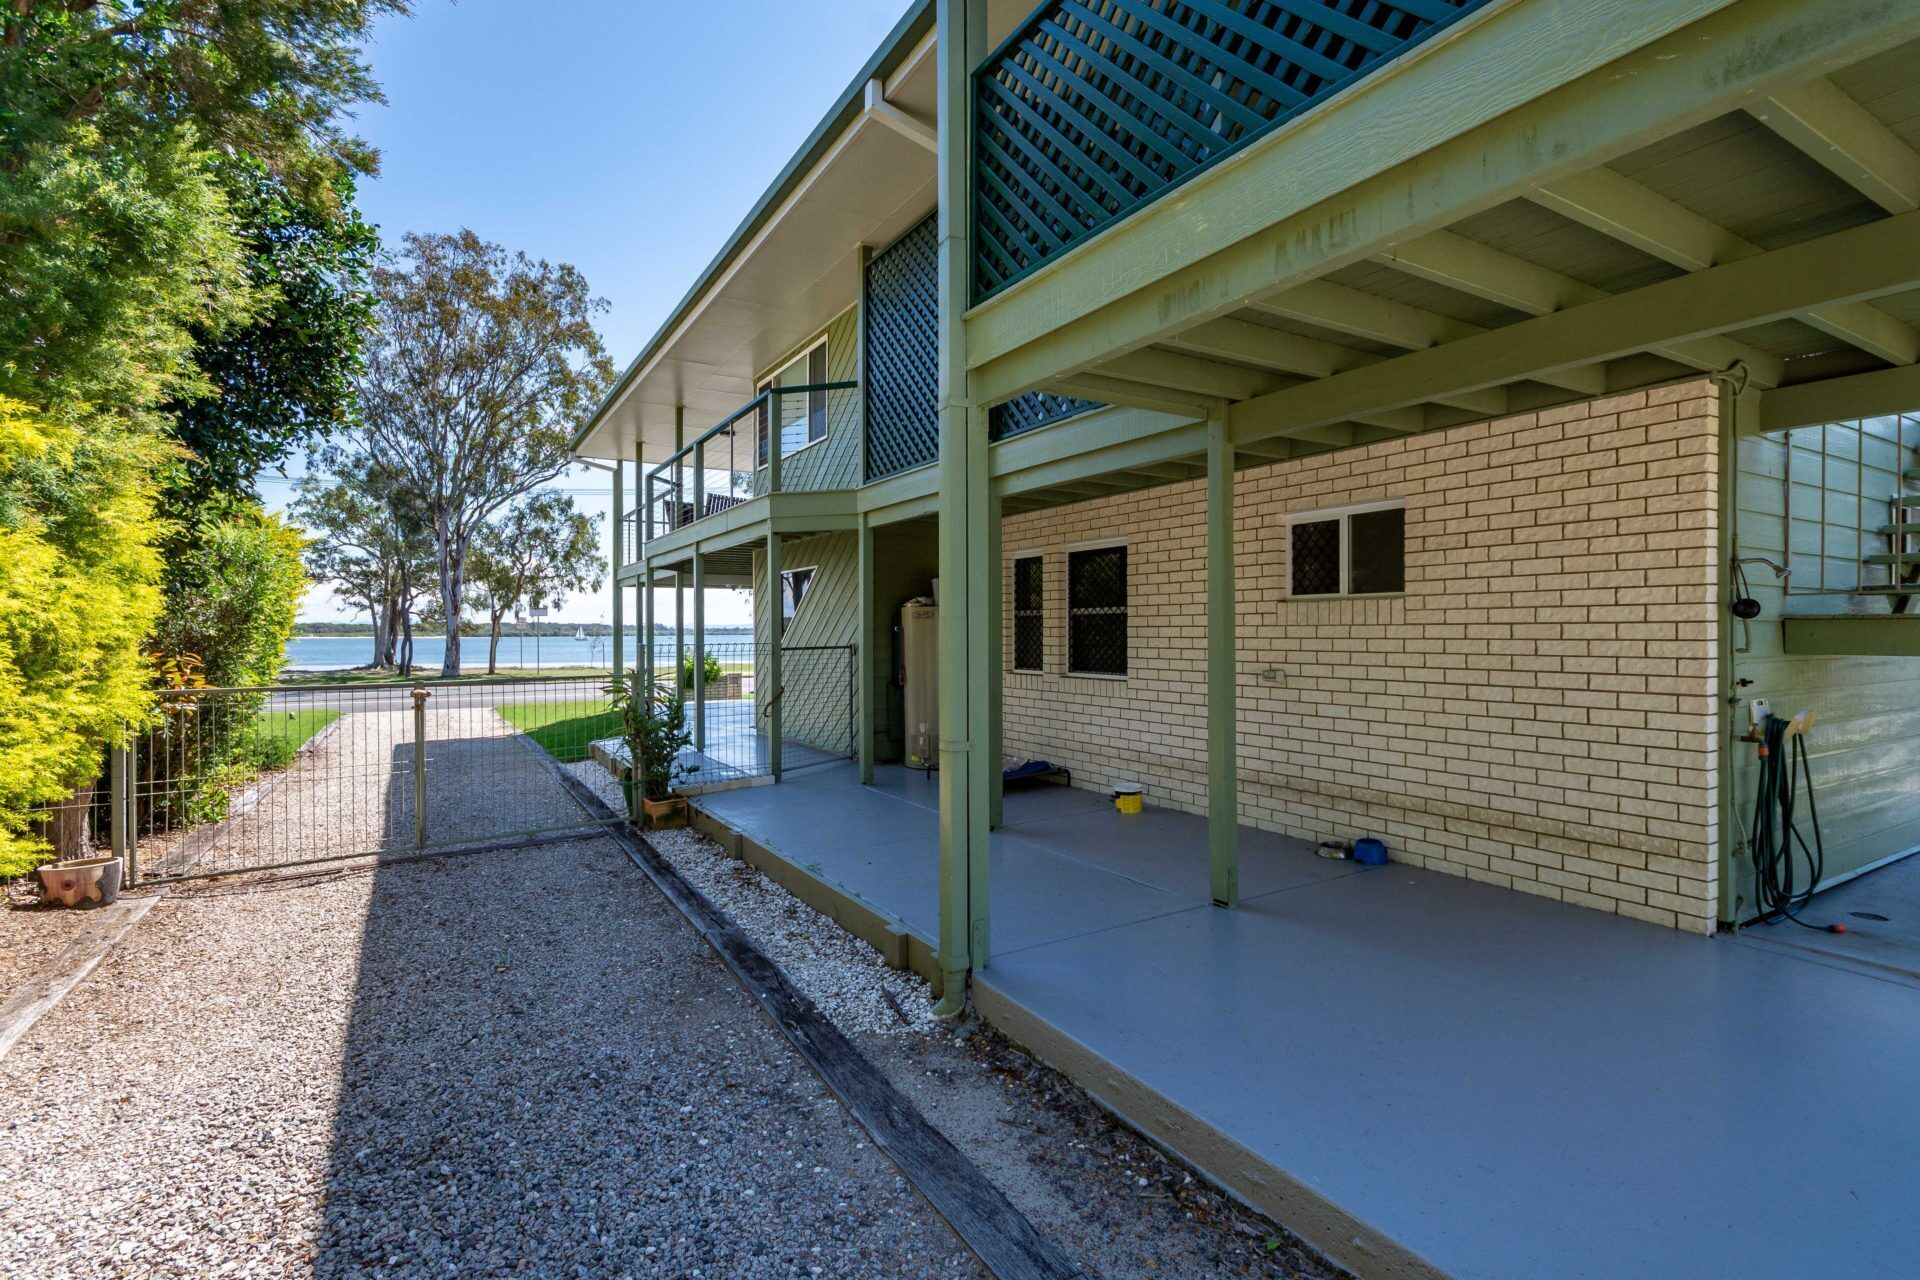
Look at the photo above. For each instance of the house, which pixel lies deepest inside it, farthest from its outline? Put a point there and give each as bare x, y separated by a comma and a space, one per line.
1449, 421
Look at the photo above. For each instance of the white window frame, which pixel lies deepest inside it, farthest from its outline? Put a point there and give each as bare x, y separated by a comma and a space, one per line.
781, 605
1013, 638
1343, 514
1066, 603
764, 382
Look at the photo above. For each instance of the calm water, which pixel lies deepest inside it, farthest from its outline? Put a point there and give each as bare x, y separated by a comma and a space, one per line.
337, 653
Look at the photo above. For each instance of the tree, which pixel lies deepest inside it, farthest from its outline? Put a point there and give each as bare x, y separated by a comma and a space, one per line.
541, 550
481, 363
368, 543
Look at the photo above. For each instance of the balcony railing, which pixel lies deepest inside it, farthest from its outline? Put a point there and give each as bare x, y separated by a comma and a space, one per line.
735, 460
1093, 108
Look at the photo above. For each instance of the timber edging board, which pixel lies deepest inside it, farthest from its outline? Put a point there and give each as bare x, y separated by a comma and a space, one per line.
980, 1215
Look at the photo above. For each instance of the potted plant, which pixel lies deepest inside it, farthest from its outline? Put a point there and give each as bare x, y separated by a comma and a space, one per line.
654, 723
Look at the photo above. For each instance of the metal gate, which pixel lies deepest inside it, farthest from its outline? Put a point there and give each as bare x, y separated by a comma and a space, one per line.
246, 779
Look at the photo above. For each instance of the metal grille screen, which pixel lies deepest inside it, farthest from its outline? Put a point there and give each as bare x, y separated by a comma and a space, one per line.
1097, 611
1315, 553
1029, 617
1094, 107
903, 347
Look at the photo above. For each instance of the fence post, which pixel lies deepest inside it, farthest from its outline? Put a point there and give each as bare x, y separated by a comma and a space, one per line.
420, 696
117, 809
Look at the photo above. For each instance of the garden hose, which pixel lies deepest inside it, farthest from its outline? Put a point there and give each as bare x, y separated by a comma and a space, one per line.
1775, 836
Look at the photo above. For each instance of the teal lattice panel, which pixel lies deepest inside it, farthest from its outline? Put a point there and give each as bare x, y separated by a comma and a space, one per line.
903, 351
1092, 108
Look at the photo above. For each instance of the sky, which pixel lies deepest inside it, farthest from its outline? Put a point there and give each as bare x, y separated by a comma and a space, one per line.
627, 137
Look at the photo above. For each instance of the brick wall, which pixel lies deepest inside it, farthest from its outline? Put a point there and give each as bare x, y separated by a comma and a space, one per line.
1536, 711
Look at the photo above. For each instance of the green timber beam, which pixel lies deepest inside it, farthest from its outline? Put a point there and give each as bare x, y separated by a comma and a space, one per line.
1860, 262
1534, 91
1888, 635
1223, 770
964, 540
1864, 395
1822, 121
1617, 206
867, 656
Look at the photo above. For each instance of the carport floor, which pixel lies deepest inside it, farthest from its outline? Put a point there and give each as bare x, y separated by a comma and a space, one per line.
1507, 1087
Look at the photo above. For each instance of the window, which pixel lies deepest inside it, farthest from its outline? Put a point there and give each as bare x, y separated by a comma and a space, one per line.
803, 418
1097, 611
1029, 625
1353, 551
793, 588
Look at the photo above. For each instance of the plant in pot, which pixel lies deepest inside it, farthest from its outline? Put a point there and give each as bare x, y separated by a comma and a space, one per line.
654, 723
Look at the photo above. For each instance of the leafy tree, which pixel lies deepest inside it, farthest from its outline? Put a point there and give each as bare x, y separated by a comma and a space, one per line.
368, 544
79, 587
481, 362
237, 599
540, 551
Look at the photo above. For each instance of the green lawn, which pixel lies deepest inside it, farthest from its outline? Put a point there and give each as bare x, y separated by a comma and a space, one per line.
563, 729
284, 732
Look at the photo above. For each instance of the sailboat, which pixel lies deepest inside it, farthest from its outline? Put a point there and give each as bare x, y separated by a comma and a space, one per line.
579, 633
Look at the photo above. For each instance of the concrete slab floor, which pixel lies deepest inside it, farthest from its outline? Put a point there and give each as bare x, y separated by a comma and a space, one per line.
1507, 1087
1881, 911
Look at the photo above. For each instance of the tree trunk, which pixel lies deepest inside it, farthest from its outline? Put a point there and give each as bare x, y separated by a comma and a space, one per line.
68, 828
453, 572
493, 648
390, 654
406, 642
379, 612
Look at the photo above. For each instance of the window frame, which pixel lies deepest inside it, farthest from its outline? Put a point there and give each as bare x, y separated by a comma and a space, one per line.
786, 577
762, 416
1101, 544
1013, 656
1344, 514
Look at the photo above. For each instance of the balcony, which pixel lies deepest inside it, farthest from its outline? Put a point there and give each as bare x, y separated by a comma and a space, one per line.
732, 463
1093, 109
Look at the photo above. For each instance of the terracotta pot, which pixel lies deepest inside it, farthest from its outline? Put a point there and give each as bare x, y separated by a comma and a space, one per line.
82, 880
662, 814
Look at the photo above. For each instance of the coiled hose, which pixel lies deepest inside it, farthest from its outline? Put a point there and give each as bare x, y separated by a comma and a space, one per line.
1778, 888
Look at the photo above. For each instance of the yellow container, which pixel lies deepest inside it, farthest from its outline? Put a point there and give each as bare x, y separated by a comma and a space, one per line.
1128, 797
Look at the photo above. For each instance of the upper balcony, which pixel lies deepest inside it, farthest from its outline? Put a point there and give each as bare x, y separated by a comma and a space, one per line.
1092, 109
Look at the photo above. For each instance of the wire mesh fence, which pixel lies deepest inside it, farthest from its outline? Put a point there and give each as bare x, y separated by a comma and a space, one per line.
225, 780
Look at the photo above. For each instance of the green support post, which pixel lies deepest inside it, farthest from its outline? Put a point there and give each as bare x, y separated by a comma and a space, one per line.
775, 628
960, 27
773, 439
995, 654
643, 615
867, 656
618, 555
699, 652
679, 625
1223, 772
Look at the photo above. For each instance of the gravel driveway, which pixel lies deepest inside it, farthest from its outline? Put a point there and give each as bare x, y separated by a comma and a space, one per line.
503, 1064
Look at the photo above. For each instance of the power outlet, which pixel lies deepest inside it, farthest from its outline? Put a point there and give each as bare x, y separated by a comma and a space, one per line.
1757, 712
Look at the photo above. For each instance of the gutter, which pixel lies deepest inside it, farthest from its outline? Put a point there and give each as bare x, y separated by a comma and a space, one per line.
852, 103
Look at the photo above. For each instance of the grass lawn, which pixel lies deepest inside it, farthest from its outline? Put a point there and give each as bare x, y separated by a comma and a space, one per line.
563, 729
288, 731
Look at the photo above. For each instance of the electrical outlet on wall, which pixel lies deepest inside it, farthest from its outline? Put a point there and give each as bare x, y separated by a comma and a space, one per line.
1757, 712
1273, 675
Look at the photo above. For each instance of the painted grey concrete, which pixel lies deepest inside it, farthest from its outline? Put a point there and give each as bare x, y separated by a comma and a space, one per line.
1893, 943
1510, 1088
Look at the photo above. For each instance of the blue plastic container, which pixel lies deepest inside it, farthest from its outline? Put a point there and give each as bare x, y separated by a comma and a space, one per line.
1369, 852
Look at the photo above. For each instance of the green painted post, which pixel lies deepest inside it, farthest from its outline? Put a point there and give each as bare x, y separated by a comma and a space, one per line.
643, 615
773, 439
995, 653
699, 651
1223, 772
618, 556
775, 628
868, 655
960, 27
679, 624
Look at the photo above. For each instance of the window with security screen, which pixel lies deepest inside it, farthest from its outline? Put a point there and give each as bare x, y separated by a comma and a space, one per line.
1354, 551
1029, 619
1097, 611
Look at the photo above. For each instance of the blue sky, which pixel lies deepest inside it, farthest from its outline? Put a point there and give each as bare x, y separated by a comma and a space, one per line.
628, 137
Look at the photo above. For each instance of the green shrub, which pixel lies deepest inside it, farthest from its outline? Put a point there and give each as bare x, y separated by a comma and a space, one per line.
712, 666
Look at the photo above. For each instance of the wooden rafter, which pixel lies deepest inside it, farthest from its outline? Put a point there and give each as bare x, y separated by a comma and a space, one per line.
1822, 121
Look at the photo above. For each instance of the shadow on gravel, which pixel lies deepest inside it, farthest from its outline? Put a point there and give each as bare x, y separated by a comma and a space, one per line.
546, 1073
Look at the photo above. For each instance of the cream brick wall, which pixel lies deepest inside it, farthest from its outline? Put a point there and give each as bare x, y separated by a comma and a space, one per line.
1536, 711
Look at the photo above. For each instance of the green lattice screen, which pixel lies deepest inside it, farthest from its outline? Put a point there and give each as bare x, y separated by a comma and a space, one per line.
903, 351
903, 375
1095, 107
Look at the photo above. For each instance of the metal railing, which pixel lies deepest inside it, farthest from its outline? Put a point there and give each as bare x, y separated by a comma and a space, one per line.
1852, 507
731, 708
732, 461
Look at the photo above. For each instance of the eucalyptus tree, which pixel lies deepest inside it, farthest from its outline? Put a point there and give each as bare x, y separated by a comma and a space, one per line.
369, 544
541, 551
479, 364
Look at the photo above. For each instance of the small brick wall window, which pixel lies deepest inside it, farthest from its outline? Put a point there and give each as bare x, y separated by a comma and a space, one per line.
1029, 619
1097, 611
1351, 551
